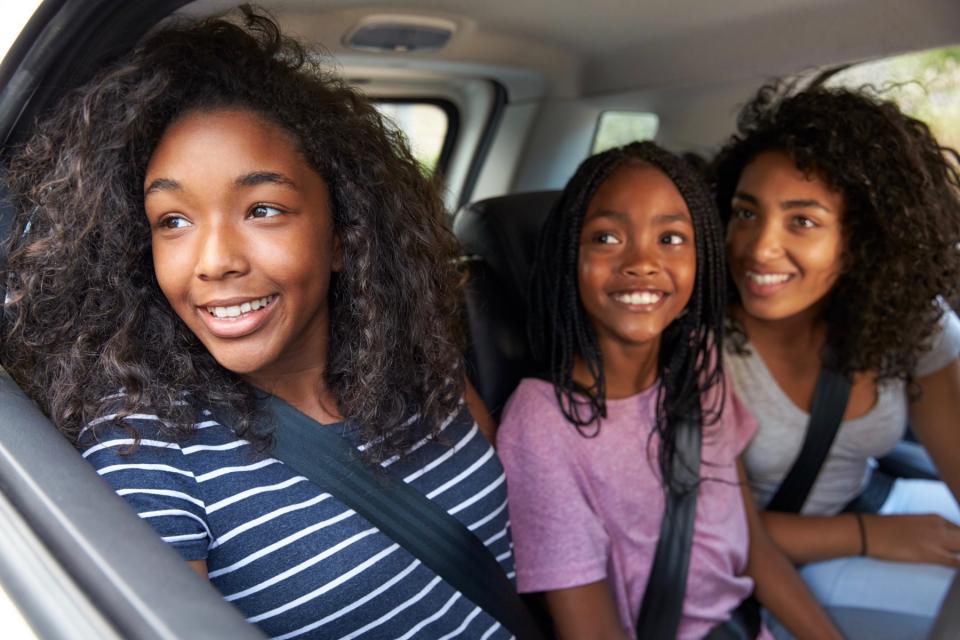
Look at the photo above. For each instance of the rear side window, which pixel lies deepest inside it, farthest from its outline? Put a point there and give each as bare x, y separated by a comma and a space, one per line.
429, 126
13, 17
925, 85
616, 128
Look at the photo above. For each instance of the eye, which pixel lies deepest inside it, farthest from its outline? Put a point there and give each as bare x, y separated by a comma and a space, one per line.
739, 213
173, 221
264, 211
804, 222
673, 238
605, 237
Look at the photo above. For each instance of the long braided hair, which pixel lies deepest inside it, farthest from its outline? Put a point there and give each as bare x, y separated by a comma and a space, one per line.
560, 331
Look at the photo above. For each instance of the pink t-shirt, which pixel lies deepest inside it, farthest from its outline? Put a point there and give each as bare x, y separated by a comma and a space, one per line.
585, 509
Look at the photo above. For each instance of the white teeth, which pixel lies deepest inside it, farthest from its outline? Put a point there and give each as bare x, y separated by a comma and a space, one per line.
639, 297
235, 311
768, 278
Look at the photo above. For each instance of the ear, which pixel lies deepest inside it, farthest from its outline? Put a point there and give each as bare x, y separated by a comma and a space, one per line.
336, 265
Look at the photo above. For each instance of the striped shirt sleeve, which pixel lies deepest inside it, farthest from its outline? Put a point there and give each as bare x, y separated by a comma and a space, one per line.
156, 481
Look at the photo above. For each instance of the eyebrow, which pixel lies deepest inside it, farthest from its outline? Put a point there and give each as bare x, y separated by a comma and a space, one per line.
162, 184
667, 218
800, 203
264, 177
247, 180
662, 218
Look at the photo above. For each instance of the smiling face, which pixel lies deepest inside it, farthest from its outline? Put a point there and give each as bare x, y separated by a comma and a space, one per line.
637, 261
785, 239
243, 241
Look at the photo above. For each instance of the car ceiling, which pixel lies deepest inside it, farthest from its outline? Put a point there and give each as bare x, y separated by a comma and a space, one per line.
607, 46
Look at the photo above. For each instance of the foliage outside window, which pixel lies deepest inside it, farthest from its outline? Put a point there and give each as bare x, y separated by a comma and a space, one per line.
425, 126
925, 85
617, 128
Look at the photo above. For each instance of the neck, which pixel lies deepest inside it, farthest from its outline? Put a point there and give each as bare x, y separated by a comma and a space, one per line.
306, 389
628, 370
805, 332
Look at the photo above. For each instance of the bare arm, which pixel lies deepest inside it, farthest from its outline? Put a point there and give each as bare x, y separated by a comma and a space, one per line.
585, 613
812, 538
778, 585
907, 538
935, 417
200, 566
486, 423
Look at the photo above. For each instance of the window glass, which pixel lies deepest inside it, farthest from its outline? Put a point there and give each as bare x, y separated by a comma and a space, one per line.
425, 125
14, 625
926, 85
13, 18
616, 128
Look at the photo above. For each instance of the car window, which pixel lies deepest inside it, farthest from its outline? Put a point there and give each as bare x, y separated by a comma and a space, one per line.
13, 17
616, 128
427, 127
12, 622
924, 84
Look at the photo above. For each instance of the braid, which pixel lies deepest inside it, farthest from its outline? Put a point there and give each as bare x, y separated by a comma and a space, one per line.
560, 330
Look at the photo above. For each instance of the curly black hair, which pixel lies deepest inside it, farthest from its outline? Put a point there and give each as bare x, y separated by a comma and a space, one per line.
901, 224
560, 330
85, 315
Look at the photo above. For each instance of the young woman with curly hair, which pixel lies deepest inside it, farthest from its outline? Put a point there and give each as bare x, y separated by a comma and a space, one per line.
843, 223
214, 220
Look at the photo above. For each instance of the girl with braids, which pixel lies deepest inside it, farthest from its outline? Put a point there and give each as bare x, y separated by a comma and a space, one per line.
627, 318
214, 220
843, 223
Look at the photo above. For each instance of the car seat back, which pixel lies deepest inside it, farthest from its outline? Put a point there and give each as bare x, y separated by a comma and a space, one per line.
499, 236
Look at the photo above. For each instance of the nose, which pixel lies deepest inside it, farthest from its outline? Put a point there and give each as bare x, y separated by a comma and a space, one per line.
221, 252
766, 243
639, 260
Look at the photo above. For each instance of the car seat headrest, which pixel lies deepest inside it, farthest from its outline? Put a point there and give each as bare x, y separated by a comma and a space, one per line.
503, 231
499, 236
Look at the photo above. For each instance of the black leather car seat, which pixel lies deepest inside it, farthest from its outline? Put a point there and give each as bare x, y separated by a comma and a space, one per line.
499, 236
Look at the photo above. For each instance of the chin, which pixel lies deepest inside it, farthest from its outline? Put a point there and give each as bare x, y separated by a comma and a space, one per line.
764, 312
240, 364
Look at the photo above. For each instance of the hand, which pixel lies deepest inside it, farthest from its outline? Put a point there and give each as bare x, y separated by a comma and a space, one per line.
913, 538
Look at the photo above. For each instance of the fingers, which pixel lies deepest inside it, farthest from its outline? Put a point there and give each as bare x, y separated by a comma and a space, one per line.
947, 559
951, 536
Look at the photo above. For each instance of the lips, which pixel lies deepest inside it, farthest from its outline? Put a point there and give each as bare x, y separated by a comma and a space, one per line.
236, 317
763, 284
224, 310
639, 299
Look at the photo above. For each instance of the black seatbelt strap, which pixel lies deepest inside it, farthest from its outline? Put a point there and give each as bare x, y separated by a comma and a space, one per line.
662, 605
430, 534
829, 402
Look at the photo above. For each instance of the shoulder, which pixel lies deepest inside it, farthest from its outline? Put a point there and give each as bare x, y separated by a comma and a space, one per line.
944, 343
163, 478
737, 424
137, 446
531, 416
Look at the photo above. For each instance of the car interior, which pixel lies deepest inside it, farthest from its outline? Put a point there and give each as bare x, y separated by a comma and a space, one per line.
522, 92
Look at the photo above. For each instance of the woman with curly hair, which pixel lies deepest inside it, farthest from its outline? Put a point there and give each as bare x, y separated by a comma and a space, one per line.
843, 223
212, 221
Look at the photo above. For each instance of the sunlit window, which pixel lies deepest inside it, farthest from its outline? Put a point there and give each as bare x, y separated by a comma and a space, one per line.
926, 85
14, 15
617, 128
426, 127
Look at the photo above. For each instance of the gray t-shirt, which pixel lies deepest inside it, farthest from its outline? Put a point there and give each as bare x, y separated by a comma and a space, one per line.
783, 425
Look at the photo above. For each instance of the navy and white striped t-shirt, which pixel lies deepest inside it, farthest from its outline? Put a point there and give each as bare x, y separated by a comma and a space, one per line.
295, 560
